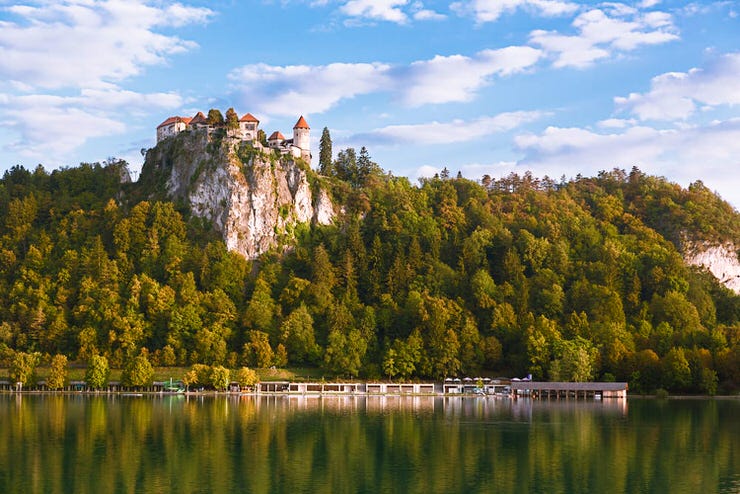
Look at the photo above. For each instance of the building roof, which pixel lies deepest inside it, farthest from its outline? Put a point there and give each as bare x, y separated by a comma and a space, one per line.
276, 135
249, 118
172, 120
569, 386
199, 118
301, 124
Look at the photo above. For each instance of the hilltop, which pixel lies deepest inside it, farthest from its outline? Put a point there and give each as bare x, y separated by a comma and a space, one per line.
576, 279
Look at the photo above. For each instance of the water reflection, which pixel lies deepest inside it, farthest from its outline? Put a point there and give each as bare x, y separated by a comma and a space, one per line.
255, 444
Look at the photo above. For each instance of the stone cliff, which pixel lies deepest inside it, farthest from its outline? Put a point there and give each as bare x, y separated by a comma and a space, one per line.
721, 260
253, 197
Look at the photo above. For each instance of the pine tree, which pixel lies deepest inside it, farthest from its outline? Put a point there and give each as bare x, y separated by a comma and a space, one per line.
232, 119
326, 166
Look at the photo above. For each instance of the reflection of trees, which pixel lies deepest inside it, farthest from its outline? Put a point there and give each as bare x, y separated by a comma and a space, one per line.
56, 443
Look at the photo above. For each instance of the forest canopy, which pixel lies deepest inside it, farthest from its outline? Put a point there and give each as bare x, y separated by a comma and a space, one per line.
574, 279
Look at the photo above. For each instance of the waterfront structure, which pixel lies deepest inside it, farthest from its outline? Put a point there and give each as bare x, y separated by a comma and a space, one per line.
569, 390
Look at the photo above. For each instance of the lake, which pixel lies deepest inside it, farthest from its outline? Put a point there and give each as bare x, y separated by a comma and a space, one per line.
366, 444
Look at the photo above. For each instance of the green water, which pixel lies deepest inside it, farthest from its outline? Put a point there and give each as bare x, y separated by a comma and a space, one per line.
85, 444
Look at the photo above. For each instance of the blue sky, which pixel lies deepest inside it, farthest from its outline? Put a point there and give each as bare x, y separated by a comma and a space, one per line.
556, 87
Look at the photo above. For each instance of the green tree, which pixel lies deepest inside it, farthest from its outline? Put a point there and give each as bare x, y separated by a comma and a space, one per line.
57, 372
297, 333
262, 310
247, 377
576, 363
215, 117
23, 367
257, 351
676, 370
220, 377
97, 372
325, 154
138, 371
232, 120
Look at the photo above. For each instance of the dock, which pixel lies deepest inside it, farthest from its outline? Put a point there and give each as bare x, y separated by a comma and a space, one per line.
565, 390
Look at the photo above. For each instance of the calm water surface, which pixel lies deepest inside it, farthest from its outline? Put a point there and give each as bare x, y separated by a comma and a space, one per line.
88, 444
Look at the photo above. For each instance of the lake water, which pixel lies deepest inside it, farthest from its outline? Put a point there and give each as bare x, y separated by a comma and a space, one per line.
93, 444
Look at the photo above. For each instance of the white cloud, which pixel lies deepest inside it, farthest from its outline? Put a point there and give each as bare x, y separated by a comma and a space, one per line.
314, 89
616, 123
456, 131
50, 126
601, 32
709, 153
490, 10
78, 52
382, 10
422, 14
317, 88
88, 42
456, 78
675, 95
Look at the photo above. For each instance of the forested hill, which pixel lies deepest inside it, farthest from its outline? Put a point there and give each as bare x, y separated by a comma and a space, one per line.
578, 279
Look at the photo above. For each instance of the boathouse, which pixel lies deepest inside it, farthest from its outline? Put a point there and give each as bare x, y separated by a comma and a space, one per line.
569, 390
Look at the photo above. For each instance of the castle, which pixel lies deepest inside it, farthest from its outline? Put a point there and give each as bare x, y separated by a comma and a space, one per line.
299, 146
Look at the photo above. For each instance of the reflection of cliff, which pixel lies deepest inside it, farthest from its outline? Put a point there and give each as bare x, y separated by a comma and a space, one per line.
56, 443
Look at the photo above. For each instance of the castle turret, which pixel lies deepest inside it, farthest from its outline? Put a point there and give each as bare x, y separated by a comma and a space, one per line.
302, 140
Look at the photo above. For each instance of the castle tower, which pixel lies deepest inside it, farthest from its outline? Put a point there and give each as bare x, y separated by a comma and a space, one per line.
302, 140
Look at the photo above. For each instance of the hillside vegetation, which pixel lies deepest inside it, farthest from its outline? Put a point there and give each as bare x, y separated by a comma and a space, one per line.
573, 280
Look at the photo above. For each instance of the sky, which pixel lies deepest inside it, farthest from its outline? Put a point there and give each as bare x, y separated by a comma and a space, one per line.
554, 87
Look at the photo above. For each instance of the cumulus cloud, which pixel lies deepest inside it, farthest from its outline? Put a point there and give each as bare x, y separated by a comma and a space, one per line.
456, 78
62, 65
710, 153
87, 42
51, 126
455, 131
383, 10
314, 88
675, 95
601, 32
317, 88
490, 10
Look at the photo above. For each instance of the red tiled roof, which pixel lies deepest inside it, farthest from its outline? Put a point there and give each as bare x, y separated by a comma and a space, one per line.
199, 118
172, 120
249, 118
301, 124
276, 135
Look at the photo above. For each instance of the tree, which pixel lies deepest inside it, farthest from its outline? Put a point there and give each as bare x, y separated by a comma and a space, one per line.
220, 377
325, 154
577, 361
345, 166
257, 351
58, 372
297, 333
97, 372
215, 117
261, 310
138, 371
247, 377
232, 120
23, 367
365, 167
676, 369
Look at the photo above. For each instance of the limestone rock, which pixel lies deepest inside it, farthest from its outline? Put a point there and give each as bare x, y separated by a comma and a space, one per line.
251, 196
721, 260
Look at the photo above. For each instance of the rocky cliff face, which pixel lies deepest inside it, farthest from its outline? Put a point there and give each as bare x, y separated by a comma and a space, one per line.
254, 198
721, 260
